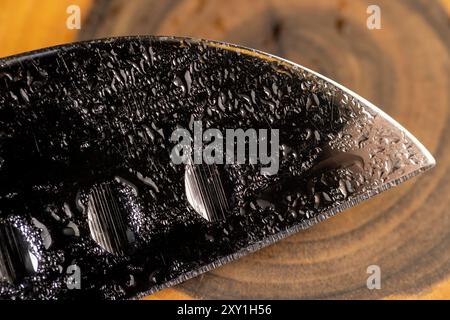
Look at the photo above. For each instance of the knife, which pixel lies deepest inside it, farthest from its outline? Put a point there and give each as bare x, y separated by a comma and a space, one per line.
132, 164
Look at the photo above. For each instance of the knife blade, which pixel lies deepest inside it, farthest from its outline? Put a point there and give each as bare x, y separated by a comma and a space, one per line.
86, 145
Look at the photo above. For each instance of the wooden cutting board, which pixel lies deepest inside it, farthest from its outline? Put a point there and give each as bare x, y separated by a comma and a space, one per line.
403, 68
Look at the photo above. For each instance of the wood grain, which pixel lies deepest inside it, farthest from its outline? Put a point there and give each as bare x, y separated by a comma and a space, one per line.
403, 68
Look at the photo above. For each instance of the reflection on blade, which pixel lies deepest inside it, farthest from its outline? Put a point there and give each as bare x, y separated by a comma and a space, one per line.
205, 192
15, 258
107, 222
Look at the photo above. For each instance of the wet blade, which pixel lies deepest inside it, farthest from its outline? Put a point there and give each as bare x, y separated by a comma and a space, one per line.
93, 122
375, 152
371, 146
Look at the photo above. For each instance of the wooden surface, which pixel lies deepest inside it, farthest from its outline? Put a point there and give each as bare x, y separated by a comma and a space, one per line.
403, 68
32, 24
